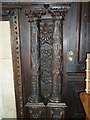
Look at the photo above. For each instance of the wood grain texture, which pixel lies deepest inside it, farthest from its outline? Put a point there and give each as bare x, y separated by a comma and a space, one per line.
85, 99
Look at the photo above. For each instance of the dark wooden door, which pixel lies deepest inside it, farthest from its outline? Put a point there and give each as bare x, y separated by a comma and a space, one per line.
76, 44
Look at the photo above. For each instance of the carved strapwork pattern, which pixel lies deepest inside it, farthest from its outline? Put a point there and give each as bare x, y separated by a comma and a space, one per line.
18, 63
46, 43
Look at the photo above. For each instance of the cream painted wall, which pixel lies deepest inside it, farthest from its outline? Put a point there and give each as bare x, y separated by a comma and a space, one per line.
7, 94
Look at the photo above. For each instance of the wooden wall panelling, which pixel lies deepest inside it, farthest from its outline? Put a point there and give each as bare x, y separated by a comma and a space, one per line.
25, 57
73, 81
88, 28
81, 32
75, 84
69, 42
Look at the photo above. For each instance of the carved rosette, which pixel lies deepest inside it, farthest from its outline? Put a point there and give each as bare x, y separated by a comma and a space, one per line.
34, 16
57, 65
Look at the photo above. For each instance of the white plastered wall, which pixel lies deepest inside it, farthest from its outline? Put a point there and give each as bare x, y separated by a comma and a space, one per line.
7, 93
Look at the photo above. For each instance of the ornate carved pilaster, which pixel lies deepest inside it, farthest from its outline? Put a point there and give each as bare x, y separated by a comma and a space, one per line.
36, 108
34, 16
34, 61
57, 65
57, 60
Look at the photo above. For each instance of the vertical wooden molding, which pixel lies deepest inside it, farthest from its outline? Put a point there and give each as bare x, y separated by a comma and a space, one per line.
79, 13
18, 63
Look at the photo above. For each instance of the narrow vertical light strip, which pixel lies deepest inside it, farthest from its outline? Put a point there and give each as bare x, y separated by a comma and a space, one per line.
1, 101
88, 74
0, 10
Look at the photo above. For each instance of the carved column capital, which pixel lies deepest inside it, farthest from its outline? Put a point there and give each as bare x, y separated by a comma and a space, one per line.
59, 12
34, 13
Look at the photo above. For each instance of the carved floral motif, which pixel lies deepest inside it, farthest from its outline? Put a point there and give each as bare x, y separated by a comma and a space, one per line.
46, 30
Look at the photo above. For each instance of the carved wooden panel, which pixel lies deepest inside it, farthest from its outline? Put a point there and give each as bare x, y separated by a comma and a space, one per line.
46, 42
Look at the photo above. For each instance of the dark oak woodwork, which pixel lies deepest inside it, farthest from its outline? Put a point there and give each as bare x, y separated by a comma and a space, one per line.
76, 84
75, 42
75, 46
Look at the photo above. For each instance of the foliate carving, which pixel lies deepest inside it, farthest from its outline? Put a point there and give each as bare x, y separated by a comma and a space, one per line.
16, 34
46, 30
